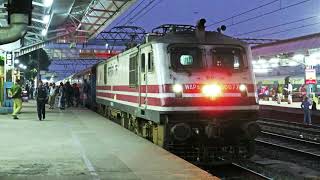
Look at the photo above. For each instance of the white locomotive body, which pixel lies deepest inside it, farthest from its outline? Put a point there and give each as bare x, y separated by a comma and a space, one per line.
187, 89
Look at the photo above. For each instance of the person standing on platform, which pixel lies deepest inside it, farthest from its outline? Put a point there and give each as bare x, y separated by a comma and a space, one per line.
279, 93
28, 89
31, 91
76, 92
52, 96
85, 91
61, 96
314, 103
41, 96
47, 86
69, 94
314, 106
290, 93
305, 105
16, 91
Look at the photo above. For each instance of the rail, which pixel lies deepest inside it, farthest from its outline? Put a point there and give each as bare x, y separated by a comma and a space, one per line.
296, 145
309, 129
254, 174
233, 170
289, 123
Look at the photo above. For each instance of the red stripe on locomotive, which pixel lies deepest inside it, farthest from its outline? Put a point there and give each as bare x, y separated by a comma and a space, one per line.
183, 102
167, 88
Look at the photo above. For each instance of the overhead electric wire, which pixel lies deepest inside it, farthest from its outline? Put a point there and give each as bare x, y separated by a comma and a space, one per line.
147, 11
268, 13
245, 12
289, 29
262, 15
139, 12
279, 25
130, 13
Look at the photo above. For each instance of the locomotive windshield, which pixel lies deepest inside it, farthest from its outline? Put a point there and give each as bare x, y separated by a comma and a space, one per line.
229, 58
184, 58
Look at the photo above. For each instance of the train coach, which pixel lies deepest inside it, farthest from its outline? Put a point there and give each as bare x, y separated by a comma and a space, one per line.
188, 90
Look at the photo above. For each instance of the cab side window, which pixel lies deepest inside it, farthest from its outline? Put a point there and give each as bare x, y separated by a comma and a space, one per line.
133, 73
143, 63
150, 62
105, 73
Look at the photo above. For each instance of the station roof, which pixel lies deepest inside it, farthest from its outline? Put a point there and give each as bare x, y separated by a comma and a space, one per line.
299, 44
70, 21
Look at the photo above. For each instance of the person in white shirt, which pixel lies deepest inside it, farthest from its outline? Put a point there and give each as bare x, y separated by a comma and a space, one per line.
52, 96
289, 93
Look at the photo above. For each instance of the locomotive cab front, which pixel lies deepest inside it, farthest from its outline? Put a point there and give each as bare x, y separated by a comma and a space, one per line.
214, 95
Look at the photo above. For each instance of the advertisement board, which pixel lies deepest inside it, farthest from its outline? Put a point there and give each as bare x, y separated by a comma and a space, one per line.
311, 76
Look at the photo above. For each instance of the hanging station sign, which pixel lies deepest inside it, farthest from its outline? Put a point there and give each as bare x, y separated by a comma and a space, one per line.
9, 59
311, 76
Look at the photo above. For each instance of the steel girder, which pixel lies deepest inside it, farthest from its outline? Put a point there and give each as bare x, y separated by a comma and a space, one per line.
86, 19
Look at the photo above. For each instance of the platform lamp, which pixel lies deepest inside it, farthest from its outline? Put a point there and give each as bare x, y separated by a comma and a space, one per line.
21, 73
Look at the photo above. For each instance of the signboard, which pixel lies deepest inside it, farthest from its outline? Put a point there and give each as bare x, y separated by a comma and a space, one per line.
9, 59
311, 76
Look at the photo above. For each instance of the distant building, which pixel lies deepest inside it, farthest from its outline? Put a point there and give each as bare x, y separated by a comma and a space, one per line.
287, 57
276, 60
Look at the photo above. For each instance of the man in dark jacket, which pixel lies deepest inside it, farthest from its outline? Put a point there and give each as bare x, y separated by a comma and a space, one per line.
41, 95
61, 96
305, 105
69, 94
76, 93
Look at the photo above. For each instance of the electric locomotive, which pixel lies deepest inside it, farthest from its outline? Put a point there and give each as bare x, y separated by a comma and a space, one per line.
188, 90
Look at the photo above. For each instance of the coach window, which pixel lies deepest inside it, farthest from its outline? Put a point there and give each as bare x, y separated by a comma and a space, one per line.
105, 73
150, 62
143, 62
133, 77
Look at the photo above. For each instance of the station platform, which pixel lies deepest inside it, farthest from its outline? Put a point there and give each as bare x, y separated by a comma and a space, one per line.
288, 112
79, 144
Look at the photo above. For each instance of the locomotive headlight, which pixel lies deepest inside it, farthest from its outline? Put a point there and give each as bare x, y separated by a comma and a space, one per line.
177, 88
212, 90
242, 87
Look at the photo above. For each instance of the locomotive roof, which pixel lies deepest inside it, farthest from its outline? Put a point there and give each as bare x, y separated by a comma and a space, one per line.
187, 38
210, 37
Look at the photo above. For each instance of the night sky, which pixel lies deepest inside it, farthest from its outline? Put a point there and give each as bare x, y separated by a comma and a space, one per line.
189, 11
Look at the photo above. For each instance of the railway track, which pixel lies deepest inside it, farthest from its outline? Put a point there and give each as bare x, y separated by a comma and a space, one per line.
235, 171
299, 152
290, 129
284, 122
310, 149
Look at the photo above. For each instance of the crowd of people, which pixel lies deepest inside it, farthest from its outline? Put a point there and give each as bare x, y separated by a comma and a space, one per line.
66, 95
62, 96
56, 96
288, 93
279, 92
